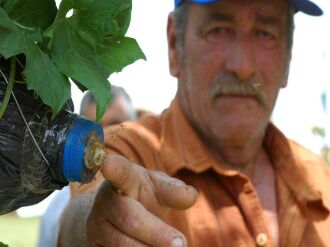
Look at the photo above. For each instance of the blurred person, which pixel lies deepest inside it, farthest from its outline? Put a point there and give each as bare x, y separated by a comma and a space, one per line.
120, 109
256, 187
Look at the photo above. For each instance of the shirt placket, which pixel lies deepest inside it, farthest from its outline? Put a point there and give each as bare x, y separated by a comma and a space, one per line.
292, 221
252, 211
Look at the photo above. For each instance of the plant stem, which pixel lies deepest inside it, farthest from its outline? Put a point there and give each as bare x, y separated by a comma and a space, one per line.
9, 86
20, 82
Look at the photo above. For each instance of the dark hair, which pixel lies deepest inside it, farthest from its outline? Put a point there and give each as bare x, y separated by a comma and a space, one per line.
180, 15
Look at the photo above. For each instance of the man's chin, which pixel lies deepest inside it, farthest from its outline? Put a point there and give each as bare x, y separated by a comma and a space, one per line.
238, 132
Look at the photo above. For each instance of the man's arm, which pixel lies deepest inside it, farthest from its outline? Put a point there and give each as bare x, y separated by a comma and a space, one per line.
127, 209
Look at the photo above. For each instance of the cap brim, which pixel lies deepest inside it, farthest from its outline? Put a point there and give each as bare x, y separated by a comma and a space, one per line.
307, 7
304, 6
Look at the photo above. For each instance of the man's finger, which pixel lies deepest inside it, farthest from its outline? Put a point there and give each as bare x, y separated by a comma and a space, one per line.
118, 171
172, 192
110, 236
169, 192
130, 217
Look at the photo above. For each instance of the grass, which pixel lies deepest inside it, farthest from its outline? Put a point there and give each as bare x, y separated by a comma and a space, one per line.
18, 232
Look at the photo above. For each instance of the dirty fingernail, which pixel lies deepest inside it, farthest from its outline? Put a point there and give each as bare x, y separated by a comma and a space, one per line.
178, 242
189, 187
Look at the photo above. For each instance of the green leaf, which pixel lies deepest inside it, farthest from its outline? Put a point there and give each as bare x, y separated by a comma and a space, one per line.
37, 14
86, 47
10, 37
80, 86
118, 53
101, 17
42, 75
76, 59
316, 130
78, 4
81, 51
3, 245
106, 17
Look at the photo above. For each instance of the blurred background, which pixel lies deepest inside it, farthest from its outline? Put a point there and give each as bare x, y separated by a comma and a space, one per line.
302, 111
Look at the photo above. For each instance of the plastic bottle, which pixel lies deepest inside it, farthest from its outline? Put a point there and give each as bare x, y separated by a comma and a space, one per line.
39, 153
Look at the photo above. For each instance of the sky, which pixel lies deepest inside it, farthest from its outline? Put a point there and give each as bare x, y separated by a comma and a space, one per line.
298, 108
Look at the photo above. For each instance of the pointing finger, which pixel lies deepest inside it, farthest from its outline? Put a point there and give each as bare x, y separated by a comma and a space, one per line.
172, 192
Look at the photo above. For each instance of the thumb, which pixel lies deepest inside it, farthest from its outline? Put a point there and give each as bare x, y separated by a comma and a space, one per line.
172, 192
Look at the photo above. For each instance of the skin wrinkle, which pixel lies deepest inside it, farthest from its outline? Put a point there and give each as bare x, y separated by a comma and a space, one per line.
234, 87
233, 49
180, 16
204, 57
237, 60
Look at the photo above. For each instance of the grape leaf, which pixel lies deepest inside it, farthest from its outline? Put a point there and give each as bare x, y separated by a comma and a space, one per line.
38, 14
106, 17
3, 245
80, 50
76, 59
12, 38
42, 75
118, 53
86, 47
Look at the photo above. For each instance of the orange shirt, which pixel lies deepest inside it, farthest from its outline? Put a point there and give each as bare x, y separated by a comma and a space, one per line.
228, 212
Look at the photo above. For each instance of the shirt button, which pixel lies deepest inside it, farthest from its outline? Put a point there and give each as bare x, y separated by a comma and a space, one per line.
262, 239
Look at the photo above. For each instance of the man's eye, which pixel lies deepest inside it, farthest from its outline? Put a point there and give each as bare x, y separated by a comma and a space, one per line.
218, 32
265, 34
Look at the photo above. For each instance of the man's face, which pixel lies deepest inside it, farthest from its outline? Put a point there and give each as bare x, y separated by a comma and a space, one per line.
233, 63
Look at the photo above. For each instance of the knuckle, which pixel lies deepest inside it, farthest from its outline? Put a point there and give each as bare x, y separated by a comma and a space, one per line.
121, 240
160, 174
126, 217
117, 239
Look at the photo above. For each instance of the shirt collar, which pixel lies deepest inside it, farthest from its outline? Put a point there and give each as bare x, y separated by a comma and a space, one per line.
305, 173
182, 148
301, 170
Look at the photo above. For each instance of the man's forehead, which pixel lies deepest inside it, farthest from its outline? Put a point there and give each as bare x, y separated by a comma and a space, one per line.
265, 10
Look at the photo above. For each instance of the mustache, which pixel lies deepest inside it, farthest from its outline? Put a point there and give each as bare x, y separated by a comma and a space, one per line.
248, 88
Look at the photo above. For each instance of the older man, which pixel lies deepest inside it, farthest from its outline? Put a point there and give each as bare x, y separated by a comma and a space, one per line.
256, 187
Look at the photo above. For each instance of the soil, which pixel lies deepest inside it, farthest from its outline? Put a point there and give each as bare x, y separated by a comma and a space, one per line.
95, 153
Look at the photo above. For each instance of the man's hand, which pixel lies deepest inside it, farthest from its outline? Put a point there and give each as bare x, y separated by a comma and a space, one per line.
130, 204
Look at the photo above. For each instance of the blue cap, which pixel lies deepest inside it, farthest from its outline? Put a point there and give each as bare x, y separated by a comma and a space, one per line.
74, 168
305, 6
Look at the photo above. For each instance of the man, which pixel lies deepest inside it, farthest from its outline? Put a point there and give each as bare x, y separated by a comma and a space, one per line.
256, 187
119, 110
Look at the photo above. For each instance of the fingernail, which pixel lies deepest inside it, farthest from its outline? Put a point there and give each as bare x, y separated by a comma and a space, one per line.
189, 187
178, 242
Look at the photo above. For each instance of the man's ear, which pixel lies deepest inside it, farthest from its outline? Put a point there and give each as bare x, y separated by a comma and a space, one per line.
286, 78
173, 54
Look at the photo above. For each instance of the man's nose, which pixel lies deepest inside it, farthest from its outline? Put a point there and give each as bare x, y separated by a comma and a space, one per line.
240, 59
